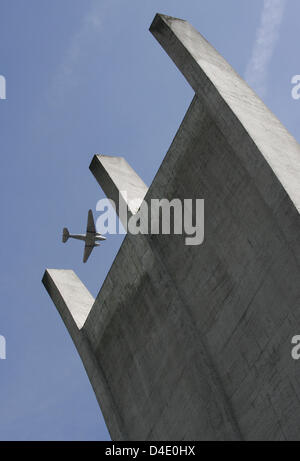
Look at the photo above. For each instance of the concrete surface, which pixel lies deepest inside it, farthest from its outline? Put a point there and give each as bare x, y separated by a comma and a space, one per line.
194, 343
70, 293
120, 183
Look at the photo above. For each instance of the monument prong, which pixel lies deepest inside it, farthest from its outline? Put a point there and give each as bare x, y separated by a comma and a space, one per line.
120, 183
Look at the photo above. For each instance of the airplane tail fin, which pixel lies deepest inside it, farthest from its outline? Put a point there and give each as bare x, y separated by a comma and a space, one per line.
65, 235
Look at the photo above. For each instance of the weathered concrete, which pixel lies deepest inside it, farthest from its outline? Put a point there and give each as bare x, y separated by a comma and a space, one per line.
120, 183
193, 343
70, 295
74, 302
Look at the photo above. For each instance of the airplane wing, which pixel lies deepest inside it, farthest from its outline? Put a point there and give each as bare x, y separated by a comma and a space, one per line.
90, 228
87, 251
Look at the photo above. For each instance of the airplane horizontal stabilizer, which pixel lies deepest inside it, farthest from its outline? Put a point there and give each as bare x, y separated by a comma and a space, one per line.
65, 235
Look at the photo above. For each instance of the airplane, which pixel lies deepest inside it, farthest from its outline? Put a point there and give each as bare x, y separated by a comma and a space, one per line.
90, 238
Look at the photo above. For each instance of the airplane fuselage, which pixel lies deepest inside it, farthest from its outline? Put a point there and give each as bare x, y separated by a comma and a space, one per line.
90, 238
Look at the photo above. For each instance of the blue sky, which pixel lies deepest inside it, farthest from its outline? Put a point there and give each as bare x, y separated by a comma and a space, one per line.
86, 76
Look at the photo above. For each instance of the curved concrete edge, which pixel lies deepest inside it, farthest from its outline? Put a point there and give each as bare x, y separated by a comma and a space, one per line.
227, 96
120, 183
74, 302
70, 295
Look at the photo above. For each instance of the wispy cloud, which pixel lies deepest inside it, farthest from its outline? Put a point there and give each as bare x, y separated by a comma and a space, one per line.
79, 50
266, 39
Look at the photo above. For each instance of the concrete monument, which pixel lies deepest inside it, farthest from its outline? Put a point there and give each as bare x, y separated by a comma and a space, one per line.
194, 342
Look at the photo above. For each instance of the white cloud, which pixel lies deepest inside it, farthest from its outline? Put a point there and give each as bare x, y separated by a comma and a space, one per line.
265, 43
